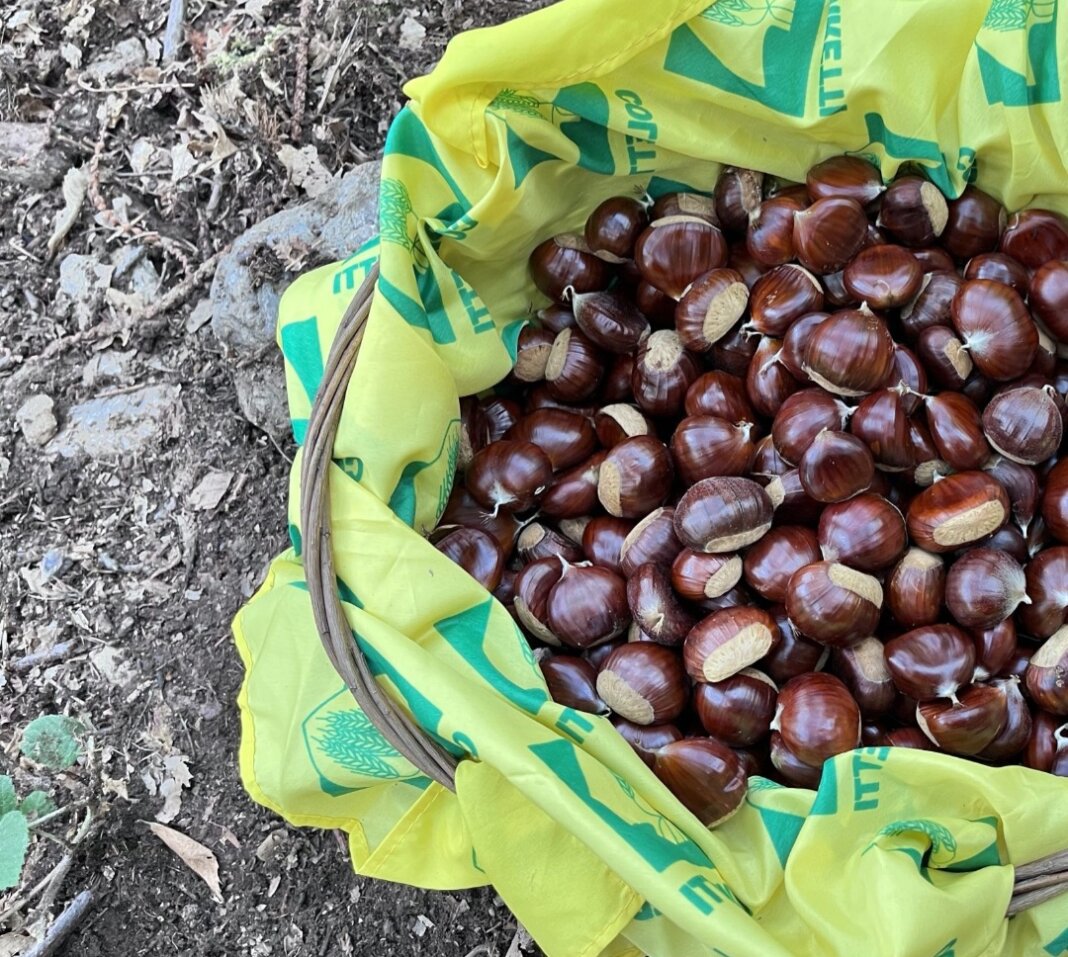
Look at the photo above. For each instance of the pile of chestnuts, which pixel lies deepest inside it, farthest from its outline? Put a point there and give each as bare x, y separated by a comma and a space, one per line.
778, 474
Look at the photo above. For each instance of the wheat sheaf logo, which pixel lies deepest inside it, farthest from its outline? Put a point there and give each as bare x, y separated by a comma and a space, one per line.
1005, 15
941, 838
742, 13
350, 740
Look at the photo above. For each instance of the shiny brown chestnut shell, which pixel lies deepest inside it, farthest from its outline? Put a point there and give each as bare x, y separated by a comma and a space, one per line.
834, 604
1024, 424
672, 252
983, 587
477, 553
609, 320
508, 475
771, 561
572, 682
562, 434
709, 307
817, 717
847, 177
646, 740
737, 197
916, 588
565, 261
663, 372
644, 682
1035, 236
913, 211
654, 607
862, 668
1046, 678
957, 430
782, 295
957, 510
705, 775
968, 725
865, 532
1048, 297
1055, 501
587, 606
722, 514
614, 226
974, 224
837, 466
932, 661
829, 233
706, 445
801, 417
995, 326
884, 276
721, 394
698, 575
998, 267
737, 710
850, 353
653, 540
727, 641
574, 367
769, 237
930, 306
635, 477
616, 384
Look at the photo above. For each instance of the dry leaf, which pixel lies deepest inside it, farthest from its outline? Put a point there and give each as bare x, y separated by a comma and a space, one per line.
194, 855
13, 944
209, 493
75, 184
177, 776
412, 34
305, 169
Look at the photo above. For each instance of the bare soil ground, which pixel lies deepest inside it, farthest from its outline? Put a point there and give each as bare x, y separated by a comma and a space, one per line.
119, 555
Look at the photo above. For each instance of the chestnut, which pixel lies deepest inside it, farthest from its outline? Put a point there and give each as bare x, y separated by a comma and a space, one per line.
588, 605
1048, 297
767, 463
734, 351
1016, 731
709, 307
613, 227
722, 514
866, 532
1048, 740
930, 306
801, 417
829, 233
685, 204
609, 320
620, 421
727, 641
794, 654
966, 725
697, 575
908, 377
672, 252
833, 604
643, 682
508, 475
792, 351
916, 588
957, 430
663, 371
974, 224
884, 276
835, 467
932, 661
793, 770
739, 709
477, 553
1055, 501
574, 367
532, 586
646, 739
737, 197
850, 353
540, 541
602, 540
845, 177
770, 234
1021, 485
562, 434
721, 394
572, 682
944, 356
653, 540
995, 326
1047, 587
771, 561
658, 307
1035, 236
531, 355
1024, 424
913, 211
957, 510
635, 477
835, 292
555, 317
998, 267
706, 445
862, 669
792, 504
565, 261
573, 493
782, 295
983, 588
707, 777
768, 383
1046, 678
933, 259
463, 511
654, 607
907, 738
817, 717
881, 421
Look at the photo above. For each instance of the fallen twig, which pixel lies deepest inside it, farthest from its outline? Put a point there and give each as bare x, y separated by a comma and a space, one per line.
174, 31
41, 658
300, 89
61, 928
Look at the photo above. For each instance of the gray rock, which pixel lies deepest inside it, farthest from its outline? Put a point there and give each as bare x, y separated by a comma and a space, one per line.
37, 419
119, 424
84, 281
124, 58
29, 157
261, 396
109, 366
333, 225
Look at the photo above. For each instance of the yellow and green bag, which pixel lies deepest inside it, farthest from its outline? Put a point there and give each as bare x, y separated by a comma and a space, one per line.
516, 135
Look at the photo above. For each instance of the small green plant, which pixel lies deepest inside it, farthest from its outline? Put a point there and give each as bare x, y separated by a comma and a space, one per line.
53, 742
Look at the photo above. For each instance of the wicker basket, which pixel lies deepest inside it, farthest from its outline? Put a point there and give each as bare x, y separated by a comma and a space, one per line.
1035, 883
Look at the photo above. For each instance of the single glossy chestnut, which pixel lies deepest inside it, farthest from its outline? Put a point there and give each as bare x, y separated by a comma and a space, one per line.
983, 588
829, 233
1048, 297
1008, 539
477, 553
845, 177
817, 717
588, 605
974, 224
572, 682
865, 532
1035, 236
801, 417
1047, 587
782, 295
734, 351
957, 430
967, 725
932, 661
697, 575
672, 252
995, 326
834, 604
768, 383
619, 421
706, 445
794, 654
709, 307
573, 492
767, 463
792, 351
463, 511
646, 739
913, 211
994, 649
532, 586
706, 776
881, 421
944, 356
771, 561
565, 261
653, 540
565, 436
908, 377
739, 709
609, 320
1046, 678
540, 541
654, 607
721, 394
737, 197
635, 477
835, 467
663, 371
727, 641
792, 769
930, 306
1021, 484
555, 317
722, 514
685, 204
835, 293
792, 504
602, 540
1024, 424
933, 259
998, 267
862, 668
1049, 738
1016, 731
850, 353
770, 233
957, 510
509, 475
614, 226
574, 367
916, 588
884, 276
1055, 501
643, 682
532, 353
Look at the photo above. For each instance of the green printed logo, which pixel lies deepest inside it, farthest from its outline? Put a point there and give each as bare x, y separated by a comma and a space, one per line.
949, 950
351, 273
830, 85
1059, 945
643, 132
940, 837
403, 501
790, 32
1039, 80
512, 101
394, 211
585, 122
867, 763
